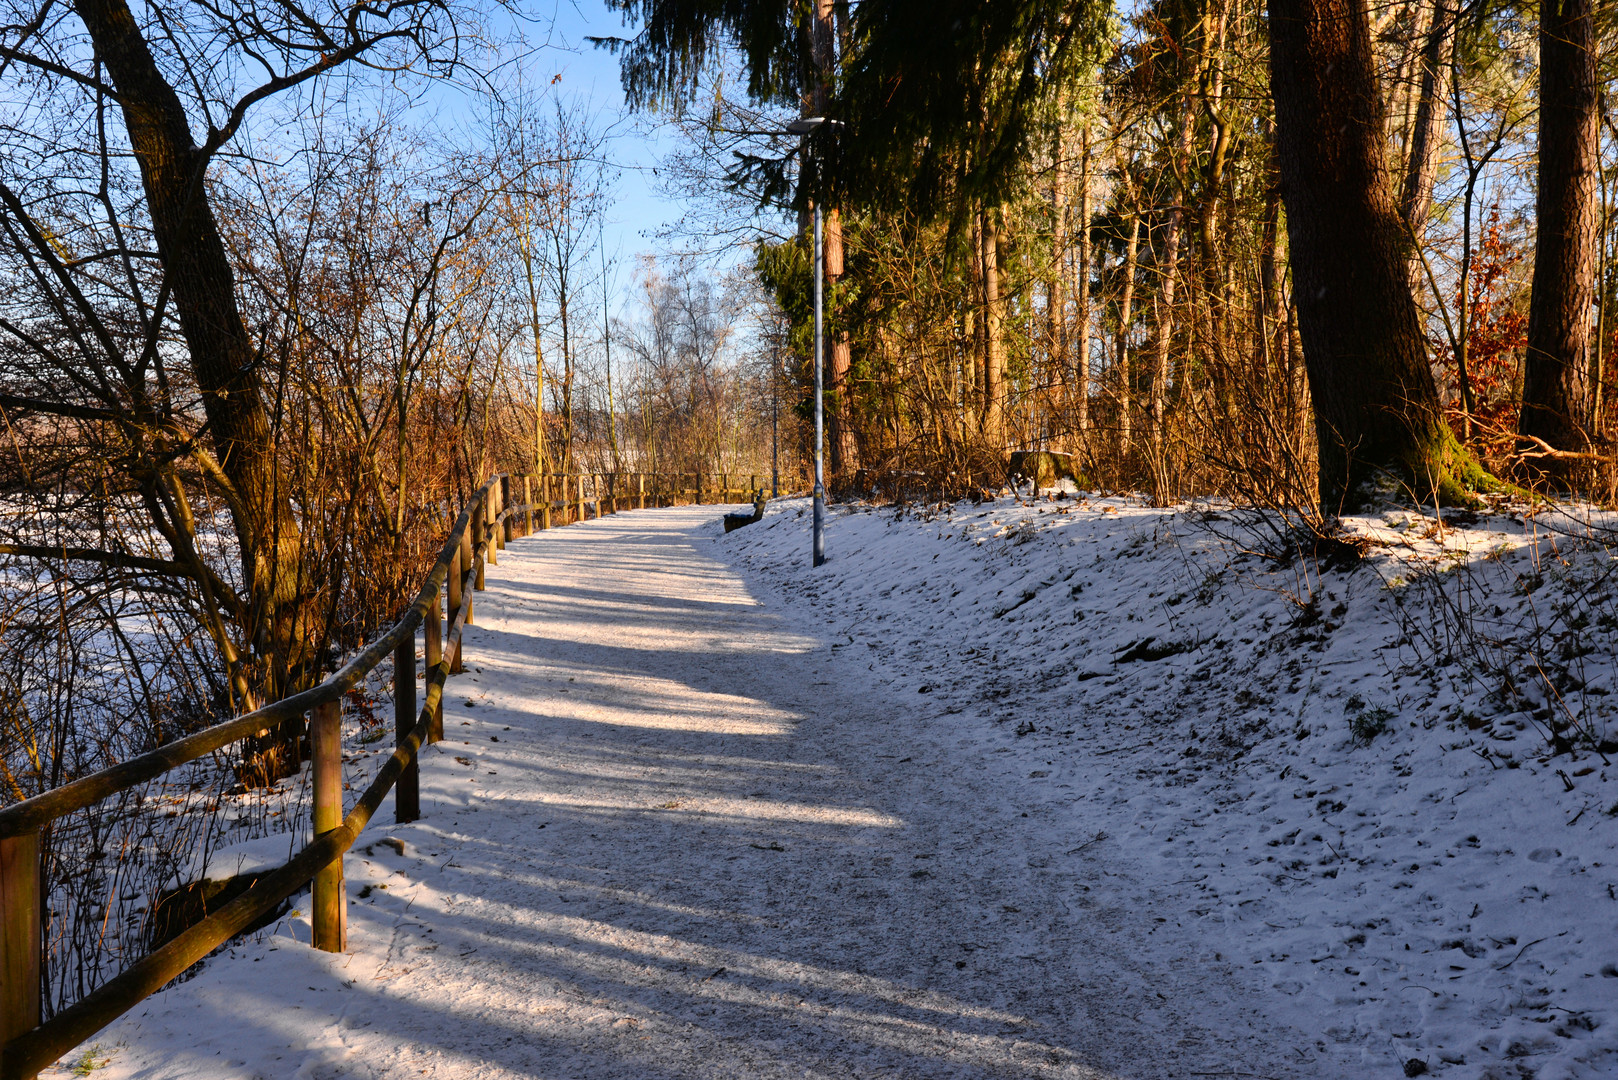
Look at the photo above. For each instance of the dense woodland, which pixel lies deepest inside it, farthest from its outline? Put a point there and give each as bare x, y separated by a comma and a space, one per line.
1294, 254
264, 326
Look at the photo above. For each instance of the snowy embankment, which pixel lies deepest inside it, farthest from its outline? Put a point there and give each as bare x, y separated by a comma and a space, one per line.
1351, 777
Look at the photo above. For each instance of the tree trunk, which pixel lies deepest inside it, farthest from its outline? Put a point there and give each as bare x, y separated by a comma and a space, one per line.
1056, 297
1171, 264
844, 459
1126, 315
1081, 295
568, 464
845, 455
1564, 253
972, 351
1377, 412
219, 347
1271, 310
994, 343
1165, 327
1209, 234
1421, 159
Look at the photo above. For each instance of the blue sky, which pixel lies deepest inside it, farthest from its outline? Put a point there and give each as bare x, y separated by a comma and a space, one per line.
638, 143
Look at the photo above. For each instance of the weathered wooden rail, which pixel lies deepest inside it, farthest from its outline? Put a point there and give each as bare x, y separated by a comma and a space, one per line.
490, 519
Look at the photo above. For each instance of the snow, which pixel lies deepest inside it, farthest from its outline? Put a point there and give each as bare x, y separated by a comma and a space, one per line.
1444, 893
1033, 788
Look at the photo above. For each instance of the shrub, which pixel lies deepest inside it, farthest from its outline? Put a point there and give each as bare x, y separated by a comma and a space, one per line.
1367, 724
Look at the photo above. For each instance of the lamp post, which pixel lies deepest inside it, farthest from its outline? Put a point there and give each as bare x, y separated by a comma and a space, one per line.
775, 421
818, 545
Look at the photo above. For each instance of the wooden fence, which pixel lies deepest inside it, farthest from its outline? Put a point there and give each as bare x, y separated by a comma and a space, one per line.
563, 499
491, 519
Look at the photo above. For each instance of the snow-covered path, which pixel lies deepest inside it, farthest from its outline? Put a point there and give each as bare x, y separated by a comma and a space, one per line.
671, 834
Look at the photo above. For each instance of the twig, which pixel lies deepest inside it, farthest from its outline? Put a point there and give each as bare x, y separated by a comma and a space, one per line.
1522, 950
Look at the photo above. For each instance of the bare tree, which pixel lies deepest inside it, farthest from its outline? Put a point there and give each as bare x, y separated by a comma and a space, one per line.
129, 316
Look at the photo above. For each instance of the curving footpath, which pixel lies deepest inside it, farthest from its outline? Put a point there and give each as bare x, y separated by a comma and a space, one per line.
671, 834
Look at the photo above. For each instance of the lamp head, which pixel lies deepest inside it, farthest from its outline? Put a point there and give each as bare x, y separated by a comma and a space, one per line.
805, 125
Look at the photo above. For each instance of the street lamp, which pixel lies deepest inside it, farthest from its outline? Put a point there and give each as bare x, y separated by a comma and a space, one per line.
775, 421
803, 127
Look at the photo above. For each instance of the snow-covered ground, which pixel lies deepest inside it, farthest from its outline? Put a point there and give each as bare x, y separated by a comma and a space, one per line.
1345, 778
1056, 788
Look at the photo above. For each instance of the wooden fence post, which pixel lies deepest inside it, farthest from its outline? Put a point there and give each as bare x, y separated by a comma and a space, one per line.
640, 487
491, 511
490, 533
457, 583
19, 936
407, 789
724, 487
567, 503
528, 501
508, 528
329, 916
578, 492
482, 518
544, 500
433, 633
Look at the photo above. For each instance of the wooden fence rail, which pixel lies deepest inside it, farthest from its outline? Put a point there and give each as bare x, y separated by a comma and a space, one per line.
570, 497
481, 530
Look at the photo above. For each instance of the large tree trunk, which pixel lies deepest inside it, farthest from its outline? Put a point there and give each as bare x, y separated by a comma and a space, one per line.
1377, 412
1564, 254
219, 347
